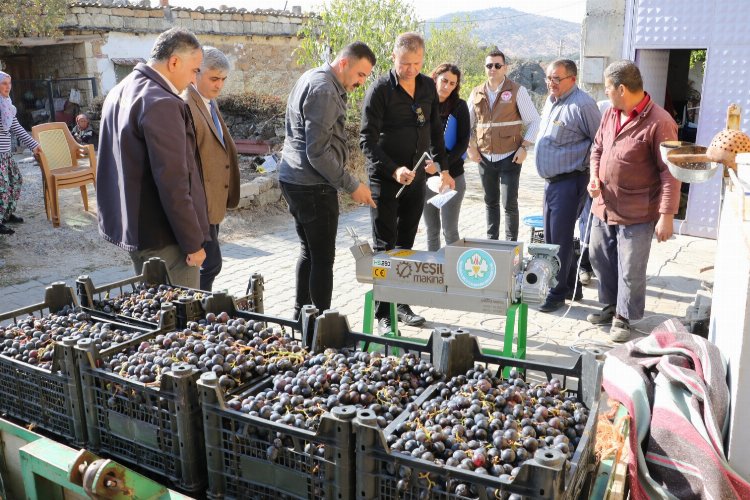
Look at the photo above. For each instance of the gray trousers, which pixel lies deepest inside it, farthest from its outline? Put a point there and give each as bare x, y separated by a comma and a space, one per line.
179, 272
448, 215
619, 255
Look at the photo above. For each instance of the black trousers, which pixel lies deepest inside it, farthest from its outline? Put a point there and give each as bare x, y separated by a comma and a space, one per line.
315, 209
500, 179
395, 220
211, 267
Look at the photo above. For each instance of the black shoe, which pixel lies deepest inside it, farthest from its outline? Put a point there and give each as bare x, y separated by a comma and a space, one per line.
13, 219
6, 230
408, 317
384, 325
551, 305
579, 294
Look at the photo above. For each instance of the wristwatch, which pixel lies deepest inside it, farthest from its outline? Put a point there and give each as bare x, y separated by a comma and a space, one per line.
523, 147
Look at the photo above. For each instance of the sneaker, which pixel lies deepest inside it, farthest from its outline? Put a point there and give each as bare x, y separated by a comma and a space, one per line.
579, 293
5, 229
620, 331
551, 305
408, 317
384, 325
584, 277
603, 316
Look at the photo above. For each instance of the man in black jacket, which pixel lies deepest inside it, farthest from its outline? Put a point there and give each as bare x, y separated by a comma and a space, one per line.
401, 121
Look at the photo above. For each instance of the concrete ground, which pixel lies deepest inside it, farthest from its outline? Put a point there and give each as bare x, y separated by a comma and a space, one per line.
676, 270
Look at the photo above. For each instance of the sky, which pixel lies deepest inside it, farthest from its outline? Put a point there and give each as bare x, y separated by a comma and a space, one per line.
568, 10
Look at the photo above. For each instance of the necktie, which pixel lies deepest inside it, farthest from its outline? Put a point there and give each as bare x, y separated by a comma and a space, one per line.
215, 117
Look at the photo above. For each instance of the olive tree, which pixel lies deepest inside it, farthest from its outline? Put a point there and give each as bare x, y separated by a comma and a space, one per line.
375, 22
25, 18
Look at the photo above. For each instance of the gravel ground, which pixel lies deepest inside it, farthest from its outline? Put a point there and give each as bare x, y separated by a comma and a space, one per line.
40, 251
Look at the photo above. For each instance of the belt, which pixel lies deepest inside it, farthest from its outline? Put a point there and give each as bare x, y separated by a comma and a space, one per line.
567, 175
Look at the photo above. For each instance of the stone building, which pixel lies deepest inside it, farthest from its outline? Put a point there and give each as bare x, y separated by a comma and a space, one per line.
101, 42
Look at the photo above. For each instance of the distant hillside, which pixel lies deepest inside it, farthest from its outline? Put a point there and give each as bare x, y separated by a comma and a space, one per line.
518, 34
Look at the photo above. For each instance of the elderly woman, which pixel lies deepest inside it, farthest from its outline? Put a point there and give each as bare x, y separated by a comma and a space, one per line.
10, 175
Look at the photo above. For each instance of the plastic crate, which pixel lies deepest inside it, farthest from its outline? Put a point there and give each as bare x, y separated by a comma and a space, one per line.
48, 399
155, 273
237, 443
548, 475
156, 428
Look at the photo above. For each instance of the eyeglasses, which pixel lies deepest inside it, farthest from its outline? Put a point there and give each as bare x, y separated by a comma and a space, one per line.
421, 120
556, 80
495, 65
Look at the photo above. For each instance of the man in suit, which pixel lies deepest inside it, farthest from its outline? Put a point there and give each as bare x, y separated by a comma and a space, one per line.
217, 152
150, 195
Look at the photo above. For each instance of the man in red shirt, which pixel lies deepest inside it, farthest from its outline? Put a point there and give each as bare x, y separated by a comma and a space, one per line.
634, 196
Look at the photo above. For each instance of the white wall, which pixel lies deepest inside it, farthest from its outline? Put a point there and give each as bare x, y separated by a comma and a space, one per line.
125, 45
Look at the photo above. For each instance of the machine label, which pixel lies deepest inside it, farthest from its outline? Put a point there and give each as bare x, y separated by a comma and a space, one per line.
421, 272
381, 263
476, 268
379, 273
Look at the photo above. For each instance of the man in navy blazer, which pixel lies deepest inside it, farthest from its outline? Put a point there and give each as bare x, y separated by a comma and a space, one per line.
149, 188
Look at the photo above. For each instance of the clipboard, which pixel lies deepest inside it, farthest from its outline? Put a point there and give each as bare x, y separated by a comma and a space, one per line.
422, 158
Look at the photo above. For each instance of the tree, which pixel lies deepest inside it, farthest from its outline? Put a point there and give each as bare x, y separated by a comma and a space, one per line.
375, 22
455, 44
23, 18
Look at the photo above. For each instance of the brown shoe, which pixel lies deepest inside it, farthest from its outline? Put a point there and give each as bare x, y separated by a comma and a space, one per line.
602, 317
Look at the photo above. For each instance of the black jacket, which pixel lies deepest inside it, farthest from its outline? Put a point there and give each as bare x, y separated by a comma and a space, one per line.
391, 136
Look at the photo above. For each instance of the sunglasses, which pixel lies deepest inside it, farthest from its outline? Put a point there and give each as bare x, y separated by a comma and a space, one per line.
495, 65
421, 120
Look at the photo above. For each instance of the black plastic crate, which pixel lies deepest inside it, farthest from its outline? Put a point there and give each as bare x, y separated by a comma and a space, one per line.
189, 303
155, 427
309, 464
548, 475
49, 399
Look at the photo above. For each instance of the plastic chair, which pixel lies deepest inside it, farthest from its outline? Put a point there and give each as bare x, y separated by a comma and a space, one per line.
63, 165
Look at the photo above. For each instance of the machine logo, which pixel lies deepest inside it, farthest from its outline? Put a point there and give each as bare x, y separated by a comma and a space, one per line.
403, 269
476, 268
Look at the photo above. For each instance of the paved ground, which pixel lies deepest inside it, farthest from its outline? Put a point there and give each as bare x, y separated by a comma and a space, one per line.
674, 272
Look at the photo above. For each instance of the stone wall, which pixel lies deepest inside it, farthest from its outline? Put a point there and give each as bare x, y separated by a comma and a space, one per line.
260, 44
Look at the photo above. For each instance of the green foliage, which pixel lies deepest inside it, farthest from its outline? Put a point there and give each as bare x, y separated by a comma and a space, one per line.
26, 18
698, 57
469, 81
456, 44
375, 22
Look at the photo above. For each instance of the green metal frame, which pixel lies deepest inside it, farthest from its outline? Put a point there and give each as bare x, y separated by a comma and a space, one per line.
516, 326
46, 464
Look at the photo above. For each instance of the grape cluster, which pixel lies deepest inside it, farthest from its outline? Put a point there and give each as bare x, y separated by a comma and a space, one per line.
144, 302
486, 425
385, 385
32, 339
237, 350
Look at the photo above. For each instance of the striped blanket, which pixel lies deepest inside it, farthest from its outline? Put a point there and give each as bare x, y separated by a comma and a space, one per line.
673, 384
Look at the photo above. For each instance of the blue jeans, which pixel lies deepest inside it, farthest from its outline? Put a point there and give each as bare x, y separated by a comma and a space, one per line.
619, 255
211, 267
448, 215
315, 209
501, 178
563, 201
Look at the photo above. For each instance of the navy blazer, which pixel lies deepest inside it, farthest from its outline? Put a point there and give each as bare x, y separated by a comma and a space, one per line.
149, 188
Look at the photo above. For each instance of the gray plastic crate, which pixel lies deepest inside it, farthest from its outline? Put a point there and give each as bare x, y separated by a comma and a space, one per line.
548, 475
49, 399
155, 273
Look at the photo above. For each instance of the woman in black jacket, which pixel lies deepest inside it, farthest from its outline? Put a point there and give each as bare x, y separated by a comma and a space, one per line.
455, 116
